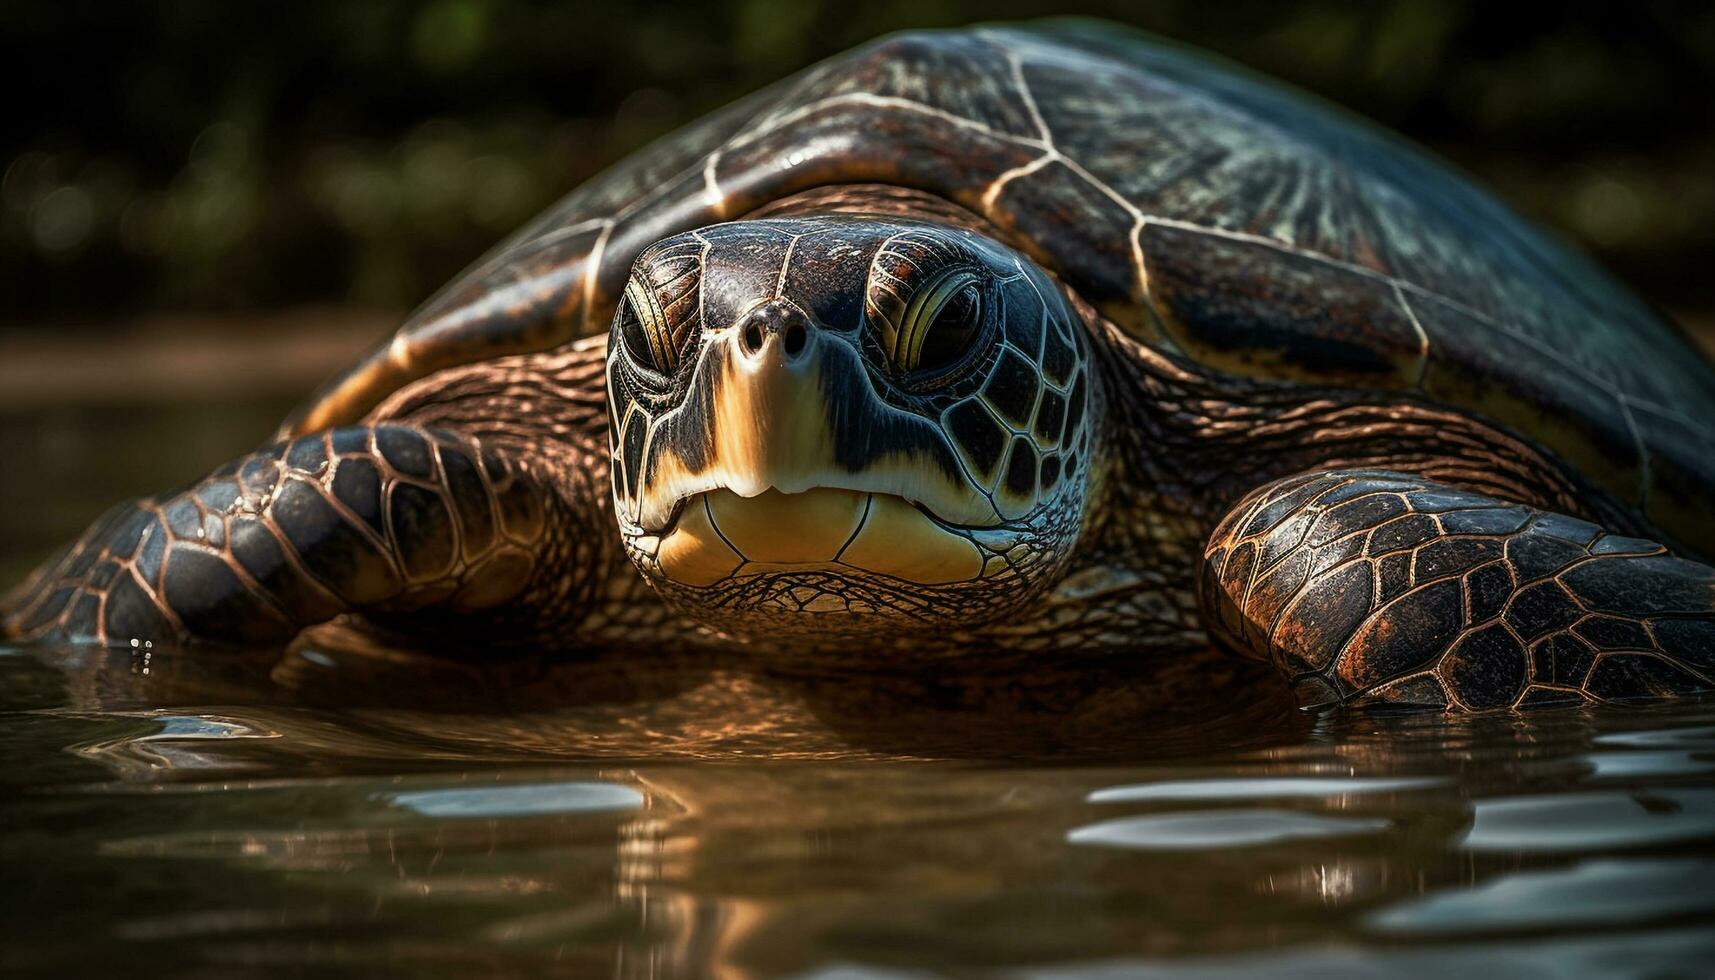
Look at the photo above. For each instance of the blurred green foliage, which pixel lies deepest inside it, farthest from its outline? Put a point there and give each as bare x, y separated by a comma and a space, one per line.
219, 155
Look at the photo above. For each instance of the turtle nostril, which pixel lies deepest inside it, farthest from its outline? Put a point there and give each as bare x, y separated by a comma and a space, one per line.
785, 324
752, 339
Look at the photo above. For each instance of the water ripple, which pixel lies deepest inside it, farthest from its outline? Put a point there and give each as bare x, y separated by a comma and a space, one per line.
519, 799
1580, 821
1218, 828
1664, 762
181, 744
1699, 736
1644, 954
1588, 893
1283, 787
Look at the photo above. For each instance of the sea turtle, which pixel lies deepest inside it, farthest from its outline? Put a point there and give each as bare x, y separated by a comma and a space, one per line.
1009, 343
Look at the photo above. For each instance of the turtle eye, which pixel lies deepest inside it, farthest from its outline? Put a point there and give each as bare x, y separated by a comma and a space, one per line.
941, 324
642, 330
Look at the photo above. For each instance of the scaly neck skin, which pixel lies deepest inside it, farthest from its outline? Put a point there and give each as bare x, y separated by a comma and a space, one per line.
1203, 440
549, 411
1129, 586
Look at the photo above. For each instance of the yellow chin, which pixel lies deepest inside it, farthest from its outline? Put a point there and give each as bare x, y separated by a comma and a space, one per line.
721, 534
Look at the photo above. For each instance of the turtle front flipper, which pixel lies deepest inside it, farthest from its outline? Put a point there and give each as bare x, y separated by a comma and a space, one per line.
1377, 587
381, 520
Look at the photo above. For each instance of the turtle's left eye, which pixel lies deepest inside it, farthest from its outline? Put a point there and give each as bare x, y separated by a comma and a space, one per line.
643, 330
941, 323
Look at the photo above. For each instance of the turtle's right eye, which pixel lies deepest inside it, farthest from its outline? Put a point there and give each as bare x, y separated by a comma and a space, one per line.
643, 330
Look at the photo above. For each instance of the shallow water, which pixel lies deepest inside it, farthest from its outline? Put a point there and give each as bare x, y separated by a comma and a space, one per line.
187, 815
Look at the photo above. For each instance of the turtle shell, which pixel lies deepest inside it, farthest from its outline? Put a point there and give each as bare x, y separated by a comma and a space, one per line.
1213, 214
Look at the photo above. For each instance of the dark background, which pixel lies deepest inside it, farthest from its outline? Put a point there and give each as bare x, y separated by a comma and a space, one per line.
234, 157
208, 206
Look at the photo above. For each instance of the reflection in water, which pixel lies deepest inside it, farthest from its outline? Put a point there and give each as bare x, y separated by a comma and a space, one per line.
1583, 821
1218, 828
1593, 893
1259, 788
1621, 765
1694, 737
1670, 953
173, 746
693, 819
519, 800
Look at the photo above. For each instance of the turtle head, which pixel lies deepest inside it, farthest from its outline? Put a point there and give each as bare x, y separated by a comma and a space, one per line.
847, 426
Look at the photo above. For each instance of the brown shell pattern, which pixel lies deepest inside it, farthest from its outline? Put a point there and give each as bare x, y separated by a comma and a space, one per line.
1215, 215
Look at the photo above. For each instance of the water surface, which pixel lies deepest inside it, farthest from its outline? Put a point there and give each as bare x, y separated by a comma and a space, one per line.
167, 814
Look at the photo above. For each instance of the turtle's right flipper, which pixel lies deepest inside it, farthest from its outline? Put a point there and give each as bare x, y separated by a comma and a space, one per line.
375, 519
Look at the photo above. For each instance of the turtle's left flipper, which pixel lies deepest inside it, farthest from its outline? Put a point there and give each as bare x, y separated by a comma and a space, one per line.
381, 520
1378, 587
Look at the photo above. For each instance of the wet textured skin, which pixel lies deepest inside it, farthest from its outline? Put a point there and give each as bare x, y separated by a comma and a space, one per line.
1264, 289
1399, 589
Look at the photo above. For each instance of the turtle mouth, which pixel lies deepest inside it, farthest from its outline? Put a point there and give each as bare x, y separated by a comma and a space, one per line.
719, 534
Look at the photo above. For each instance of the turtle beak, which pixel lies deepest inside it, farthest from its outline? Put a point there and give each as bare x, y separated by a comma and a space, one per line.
778, 403
770, 427
761, 416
